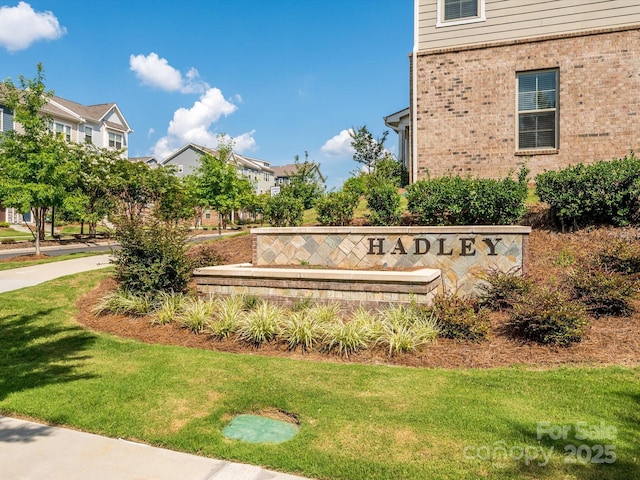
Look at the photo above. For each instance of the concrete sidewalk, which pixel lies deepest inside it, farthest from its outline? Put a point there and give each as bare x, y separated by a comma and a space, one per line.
31, 451
29, 276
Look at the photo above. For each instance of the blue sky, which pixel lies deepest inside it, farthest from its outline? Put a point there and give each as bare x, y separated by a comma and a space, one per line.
280, 77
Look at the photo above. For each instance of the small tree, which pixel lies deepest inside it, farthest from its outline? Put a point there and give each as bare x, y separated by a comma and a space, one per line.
306, 182
284, 210
368, 150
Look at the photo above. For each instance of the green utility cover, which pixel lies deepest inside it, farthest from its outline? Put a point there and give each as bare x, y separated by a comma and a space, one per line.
256, 429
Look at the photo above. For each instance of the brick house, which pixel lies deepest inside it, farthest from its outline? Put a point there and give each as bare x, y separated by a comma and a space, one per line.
497, 83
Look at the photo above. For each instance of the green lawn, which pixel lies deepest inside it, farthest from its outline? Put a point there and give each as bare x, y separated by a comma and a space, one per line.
11, 233
357, 421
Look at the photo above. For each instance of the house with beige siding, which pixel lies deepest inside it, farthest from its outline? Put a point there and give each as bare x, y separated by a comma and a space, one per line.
102, 125
499, 83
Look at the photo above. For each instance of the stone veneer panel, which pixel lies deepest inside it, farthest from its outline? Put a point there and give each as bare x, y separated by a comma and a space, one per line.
460, 252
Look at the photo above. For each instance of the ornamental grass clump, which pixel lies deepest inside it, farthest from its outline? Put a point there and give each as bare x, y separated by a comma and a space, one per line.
227, 314
261, 324
125, 302
347, 337
301, 329
548, 317
197, 314
405, 329
170, 306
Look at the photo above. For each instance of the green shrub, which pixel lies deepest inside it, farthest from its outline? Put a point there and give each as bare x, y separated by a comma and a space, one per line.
356, 185
7, 241
284, 210
151, 257
383, 202
453, 200
261, 324
458, 318
499, 290
621, 256
602, 291
606, 192
336, 208
4, 224
548, 317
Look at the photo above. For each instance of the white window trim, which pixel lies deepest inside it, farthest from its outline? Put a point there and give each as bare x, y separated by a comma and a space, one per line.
64, 134
556, 110
440, 16
116, 134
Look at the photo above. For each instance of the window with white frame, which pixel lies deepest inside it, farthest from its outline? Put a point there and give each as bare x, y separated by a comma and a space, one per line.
115, 140
537, 110
88, 134
62, 129
455, 12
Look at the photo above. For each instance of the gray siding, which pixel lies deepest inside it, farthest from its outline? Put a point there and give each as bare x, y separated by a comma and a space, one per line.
520, 19
188, 159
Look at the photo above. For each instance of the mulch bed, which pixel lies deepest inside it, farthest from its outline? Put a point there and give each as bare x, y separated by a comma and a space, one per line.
610, 341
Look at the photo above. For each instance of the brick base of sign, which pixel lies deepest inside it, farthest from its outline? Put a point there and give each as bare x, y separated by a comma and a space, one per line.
287, 286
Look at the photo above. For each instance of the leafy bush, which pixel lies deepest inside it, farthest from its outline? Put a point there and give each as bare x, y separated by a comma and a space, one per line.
602, 291
621, 256
336, 208
383, 201
4, 224
151, 257
284, 210
7, 241
355, 185
548, 317
606, 192
499, 290
459, 318
204, 255
453, 200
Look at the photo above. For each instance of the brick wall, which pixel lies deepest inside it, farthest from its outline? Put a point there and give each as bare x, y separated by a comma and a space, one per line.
466, 103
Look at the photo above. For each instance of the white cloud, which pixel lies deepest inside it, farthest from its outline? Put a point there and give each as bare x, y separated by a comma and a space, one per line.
20, 26
155, 71
339, 145
195, 125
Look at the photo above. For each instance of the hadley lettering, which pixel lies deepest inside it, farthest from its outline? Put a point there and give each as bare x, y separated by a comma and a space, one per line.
463, 246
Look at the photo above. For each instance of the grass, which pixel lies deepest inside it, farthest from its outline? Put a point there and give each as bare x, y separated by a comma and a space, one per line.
357, 421
74, 229
11, 233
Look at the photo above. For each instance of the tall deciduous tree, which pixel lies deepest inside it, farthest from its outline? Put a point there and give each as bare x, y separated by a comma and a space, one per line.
306, 182
219, 184
36, 168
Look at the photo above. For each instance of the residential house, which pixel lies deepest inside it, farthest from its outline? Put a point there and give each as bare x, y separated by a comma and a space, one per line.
187, 159
400, 122
102, 125
499, 83
282, 174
